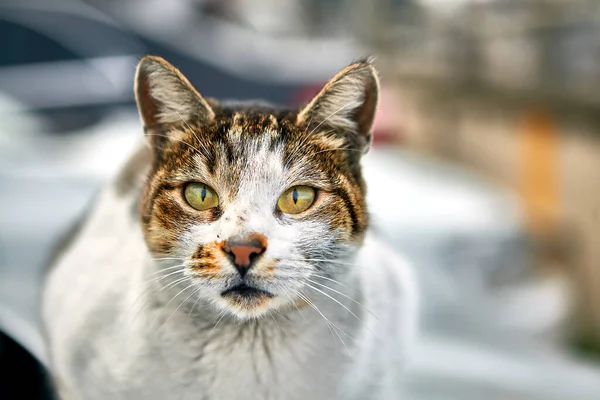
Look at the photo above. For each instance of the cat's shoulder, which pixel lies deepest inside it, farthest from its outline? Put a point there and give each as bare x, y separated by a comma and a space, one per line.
377, 255
387, 280
389, 293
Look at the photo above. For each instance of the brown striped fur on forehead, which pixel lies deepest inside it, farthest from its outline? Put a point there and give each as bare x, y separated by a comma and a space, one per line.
231, 127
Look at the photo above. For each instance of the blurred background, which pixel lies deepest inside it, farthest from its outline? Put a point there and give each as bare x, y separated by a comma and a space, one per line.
488, 131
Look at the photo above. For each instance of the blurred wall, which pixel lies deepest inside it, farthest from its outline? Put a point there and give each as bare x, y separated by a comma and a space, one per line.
508, 88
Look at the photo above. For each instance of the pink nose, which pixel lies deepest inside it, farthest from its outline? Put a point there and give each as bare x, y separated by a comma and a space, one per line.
244, 252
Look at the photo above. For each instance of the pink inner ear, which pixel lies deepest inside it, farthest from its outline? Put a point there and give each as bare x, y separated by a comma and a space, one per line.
365, 114
146, 104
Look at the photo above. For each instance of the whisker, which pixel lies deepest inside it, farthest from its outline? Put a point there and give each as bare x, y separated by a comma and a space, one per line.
160, 278
138, 260
196, 302
322, 122
173, 284
168, 269
331, 280
299, 146
186, 124
347, 309
305, 138
323, 260
327, 261
168, 258
346, 296
314, 307
331, 115
134, 303
295, 305
332, 327
219, 320
179, 280
170, 301
334, 299
186, 299
206, 154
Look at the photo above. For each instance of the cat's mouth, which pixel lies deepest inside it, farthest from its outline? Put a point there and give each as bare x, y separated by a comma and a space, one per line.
246, 301
244, 292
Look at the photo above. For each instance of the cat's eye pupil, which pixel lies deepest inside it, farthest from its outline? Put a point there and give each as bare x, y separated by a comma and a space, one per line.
295, 196
203, 194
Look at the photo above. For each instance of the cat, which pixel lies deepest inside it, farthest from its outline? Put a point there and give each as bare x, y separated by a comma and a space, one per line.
231, 258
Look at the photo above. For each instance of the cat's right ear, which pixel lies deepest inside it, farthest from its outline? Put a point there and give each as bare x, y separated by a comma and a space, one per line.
164, 96
347, 103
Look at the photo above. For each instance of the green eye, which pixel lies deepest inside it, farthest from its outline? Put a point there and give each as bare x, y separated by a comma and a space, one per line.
201, 196
296, 199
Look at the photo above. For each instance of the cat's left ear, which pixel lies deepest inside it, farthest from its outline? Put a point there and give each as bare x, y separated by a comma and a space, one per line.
164, 96
348, 102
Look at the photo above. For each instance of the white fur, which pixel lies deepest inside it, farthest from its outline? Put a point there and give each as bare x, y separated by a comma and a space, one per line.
108, 341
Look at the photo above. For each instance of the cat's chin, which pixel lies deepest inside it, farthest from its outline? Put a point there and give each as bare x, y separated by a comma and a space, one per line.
249, 303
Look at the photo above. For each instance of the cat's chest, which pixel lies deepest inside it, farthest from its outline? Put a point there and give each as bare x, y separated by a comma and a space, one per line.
265, 362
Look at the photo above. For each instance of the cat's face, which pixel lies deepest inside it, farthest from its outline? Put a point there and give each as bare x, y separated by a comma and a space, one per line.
259, 203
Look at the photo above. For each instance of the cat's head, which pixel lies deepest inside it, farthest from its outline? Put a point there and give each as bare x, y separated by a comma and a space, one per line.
256, 201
